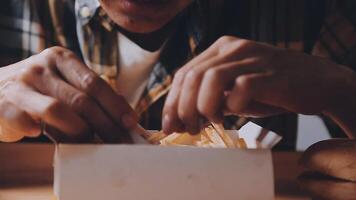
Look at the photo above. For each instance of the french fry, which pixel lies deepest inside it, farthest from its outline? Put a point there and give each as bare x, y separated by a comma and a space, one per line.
212, 136
182, 138
155, 138
240, 143
225, 137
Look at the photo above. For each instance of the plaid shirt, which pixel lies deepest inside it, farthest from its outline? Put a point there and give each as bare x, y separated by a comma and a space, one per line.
320, 27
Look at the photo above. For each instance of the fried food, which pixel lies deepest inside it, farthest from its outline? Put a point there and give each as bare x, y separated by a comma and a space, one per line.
213, 136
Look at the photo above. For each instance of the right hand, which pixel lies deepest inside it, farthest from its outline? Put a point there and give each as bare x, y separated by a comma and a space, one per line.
252, 79
55, 87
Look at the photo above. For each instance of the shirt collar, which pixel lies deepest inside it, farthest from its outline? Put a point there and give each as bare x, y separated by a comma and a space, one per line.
85, 10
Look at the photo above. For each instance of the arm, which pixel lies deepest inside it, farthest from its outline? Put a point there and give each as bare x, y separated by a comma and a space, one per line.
337, 42
248, 78
344, 111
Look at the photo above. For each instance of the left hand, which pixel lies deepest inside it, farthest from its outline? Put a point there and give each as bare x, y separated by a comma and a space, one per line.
335, 157
248, 78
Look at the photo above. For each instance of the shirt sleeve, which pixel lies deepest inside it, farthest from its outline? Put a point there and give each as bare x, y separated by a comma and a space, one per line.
25, 29
29, 26
337, 39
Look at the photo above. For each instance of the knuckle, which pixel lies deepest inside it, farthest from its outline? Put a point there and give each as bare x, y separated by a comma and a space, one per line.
225, 40
192, 76
31, 72
68, 55
90, 82
53, 51
242, 43
231, 46
243, 81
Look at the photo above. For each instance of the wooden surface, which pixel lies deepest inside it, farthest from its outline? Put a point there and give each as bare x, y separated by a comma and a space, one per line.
26, 174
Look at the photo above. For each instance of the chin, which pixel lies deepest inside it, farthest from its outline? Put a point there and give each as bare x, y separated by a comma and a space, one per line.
139, 26
143, 16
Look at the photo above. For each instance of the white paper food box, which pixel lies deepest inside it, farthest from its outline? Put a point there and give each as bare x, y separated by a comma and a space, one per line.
144, 172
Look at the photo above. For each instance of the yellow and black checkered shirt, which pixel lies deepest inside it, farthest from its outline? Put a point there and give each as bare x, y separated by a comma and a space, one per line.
320, 27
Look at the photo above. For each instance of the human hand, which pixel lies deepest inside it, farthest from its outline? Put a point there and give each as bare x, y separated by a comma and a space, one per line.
335, 157
247, 78
55, 87
319, 186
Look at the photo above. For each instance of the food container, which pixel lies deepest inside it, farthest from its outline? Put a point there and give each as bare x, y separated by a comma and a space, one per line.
149, 172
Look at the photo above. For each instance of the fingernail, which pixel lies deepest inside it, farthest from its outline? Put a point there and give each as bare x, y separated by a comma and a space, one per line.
129, 120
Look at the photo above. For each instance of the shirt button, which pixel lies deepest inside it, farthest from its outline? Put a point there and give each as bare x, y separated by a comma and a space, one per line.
85, 12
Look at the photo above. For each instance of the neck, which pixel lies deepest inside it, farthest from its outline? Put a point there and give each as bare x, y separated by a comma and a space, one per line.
154, 40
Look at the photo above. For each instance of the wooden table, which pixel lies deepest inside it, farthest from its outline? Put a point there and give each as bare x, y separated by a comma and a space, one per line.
26, 174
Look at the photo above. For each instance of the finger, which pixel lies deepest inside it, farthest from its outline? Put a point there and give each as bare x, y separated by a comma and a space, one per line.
334, 157
48, 109
16, 124
188, 96
8, 134
216, 81
187, 109
216, 53
171, 122
18, 120
81, 77
321, 187
85, 106
256, 94
243, 101
241, 94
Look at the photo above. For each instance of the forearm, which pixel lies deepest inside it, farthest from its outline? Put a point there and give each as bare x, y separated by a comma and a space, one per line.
344, 110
